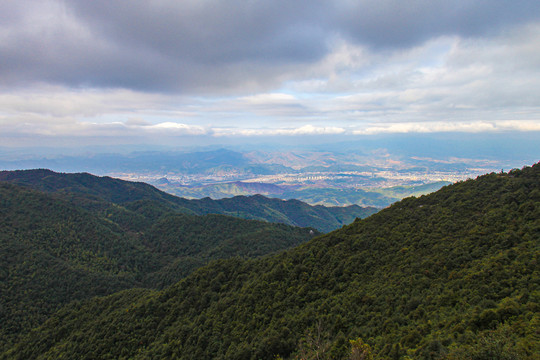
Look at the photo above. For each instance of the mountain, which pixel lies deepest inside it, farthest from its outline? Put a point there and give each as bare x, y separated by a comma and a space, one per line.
313, 195
450, 275
220, 190
88, 190
340, 196
61, 246
198, 162
293, 212
416, 190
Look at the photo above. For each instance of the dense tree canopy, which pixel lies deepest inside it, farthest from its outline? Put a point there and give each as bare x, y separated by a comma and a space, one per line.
54, 250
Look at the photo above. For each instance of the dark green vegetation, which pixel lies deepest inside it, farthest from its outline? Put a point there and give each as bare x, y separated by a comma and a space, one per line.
451, 275
292, 212
62, 246
89, 190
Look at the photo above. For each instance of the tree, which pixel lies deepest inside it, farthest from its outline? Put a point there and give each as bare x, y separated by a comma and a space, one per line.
360, 350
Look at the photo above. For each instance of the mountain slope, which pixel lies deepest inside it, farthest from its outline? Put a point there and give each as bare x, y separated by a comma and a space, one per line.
327, 196
89, 190
292, 212
53, 251
450, 275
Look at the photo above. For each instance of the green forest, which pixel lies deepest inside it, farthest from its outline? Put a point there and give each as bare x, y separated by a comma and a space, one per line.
88, 190
449, 275
55, 250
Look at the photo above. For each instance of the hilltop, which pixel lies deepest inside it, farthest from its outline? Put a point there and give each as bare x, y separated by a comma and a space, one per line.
453, 275
89, 190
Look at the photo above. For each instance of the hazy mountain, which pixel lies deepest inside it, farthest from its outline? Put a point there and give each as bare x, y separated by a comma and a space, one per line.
450, 275
443, 150
198, 162
331, 197
338, 174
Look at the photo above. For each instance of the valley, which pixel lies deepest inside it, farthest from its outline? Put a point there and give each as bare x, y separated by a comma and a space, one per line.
349, 174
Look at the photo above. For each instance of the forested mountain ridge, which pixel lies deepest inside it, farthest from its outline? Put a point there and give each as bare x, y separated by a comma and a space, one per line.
87, 190
450, 275
53, 250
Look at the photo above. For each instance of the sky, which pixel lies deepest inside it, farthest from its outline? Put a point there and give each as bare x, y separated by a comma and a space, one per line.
108, 72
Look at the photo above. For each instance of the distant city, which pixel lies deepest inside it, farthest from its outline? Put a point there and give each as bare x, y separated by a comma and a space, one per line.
355, 179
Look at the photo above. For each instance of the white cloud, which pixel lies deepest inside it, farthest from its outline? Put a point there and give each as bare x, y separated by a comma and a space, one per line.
432, 127
268, 98
172, 128
303, 130
445, 79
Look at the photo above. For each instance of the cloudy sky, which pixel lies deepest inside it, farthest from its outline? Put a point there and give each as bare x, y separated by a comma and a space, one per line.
103, 71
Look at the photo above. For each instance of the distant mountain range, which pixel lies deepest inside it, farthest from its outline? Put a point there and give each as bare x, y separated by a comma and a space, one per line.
450, 275
444, 151
198, 162
345, 174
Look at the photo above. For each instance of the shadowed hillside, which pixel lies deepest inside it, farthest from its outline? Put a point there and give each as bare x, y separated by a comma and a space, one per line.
89, 191
58, 247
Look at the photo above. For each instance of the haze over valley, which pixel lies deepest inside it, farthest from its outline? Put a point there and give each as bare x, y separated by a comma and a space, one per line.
366, 172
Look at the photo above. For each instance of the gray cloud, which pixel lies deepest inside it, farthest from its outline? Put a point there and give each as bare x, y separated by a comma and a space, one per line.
211, 32
394, 23
171, 46
218, 46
